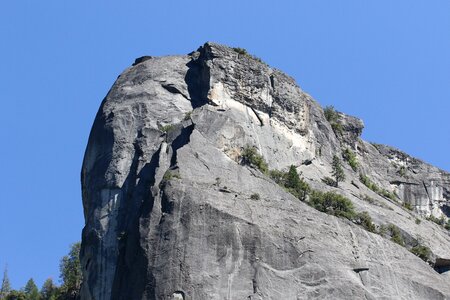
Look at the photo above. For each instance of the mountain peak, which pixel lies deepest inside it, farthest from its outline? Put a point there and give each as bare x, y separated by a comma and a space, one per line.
212, 175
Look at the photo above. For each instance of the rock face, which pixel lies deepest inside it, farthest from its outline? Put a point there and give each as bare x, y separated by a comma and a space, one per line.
171, 213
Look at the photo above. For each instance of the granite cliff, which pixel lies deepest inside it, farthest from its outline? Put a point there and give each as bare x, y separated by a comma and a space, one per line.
173, 211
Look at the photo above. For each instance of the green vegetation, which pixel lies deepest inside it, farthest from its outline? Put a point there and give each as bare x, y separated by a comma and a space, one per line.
338, 172
295, 185
331, 114
395, 235
367, 182
49, 290
170, 175
329, 181
70, 270
382, 192
407, 205
402, 171
447, 225
243, 52
421, 251
374, 202
292, 182
71, 278
418, 221
251, 157
439, 221
240, 51
332, 117
31, 290
255, 196
187, 116
365, 220
6, 285
167, 128
332, 204
350, 157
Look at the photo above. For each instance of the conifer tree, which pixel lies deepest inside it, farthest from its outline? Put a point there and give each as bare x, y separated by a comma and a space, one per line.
70, 269
31, 290
49, 290
338, 172
6, 285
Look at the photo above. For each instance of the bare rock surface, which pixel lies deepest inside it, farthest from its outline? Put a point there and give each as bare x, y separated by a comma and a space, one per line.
171, 213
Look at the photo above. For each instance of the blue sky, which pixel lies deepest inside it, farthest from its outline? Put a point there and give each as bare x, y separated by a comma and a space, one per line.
387, 62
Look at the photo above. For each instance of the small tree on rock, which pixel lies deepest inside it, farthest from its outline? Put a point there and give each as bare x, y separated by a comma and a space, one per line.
296, 185
338, 172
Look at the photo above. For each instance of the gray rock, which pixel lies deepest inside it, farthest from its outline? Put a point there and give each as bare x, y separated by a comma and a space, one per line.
171, 213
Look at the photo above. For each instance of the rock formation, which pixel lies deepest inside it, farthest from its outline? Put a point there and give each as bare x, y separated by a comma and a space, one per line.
172, 212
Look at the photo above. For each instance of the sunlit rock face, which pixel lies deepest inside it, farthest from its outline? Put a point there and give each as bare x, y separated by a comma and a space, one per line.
172, 213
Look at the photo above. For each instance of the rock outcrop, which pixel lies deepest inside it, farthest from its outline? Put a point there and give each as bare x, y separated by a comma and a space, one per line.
171, 213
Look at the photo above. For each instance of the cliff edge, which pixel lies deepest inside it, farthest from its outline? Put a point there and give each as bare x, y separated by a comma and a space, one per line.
174, 210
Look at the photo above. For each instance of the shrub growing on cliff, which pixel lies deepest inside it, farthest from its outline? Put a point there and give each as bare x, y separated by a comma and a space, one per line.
296, 185
407, 205
251, 157
382, 192
365, 220
447, 225
350, 157
331, 114
240, 51
167, 128
402, 171
292, 182
421, 251
395, 234
333, 204
332, 117
439, 221
329, 181
338, 172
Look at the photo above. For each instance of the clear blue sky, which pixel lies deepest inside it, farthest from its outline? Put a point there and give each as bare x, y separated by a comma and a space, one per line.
385, 61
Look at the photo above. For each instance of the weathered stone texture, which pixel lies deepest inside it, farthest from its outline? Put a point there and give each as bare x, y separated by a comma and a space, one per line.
168, 207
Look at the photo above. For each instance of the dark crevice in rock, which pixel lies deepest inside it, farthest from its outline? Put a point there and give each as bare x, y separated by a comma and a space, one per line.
272, 82
442, 265
426, 191
197, 79
446, 210
172, 89
446, 194
182, 139
257, 116
357, 270
255, 285
166, 205
399, 182
132, 279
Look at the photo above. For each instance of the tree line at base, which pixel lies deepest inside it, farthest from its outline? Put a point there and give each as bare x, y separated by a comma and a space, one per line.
70, 275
